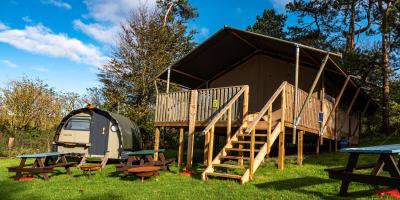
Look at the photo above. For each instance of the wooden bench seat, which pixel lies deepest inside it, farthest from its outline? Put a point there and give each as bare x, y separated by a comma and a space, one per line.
31, 170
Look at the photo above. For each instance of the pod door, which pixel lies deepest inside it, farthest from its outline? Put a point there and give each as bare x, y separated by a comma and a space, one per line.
98, 138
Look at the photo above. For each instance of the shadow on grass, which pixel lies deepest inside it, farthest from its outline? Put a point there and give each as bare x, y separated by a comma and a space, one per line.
299, 185
11, 189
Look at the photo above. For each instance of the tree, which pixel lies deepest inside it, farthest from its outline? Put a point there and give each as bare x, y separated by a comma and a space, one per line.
338, 21
270, 23
386, 12
146, 47
30, 111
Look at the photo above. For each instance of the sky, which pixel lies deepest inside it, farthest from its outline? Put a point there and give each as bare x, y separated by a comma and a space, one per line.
65, 42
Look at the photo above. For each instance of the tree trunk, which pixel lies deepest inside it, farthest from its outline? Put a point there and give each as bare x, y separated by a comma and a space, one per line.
350, 35
385, 69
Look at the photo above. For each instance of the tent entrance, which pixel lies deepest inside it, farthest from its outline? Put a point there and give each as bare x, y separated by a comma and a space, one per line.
99, 131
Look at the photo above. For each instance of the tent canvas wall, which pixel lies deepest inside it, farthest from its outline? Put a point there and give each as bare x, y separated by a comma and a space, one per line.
95, 132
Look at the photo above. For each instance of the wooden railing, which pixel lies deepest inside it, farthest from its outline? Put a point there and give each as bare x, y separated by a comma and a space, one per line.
310, 115
226, 111
252, 127
174, 107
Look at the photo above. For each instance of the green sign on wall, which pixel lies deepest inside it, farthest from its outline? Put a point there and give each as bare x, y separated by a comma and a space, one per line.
215, 103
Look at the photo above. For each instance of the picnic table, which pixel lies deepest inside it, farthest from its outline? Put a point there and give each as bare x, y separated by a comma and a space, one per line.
44, 163
386, 162
144, 158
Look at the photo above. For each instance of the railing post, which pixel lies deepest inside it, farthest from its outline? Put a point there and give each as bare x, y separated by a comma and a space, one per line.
281, 152
245, 105
210, 147
206, 143
229, 126
251, 164
192, 126
269, 131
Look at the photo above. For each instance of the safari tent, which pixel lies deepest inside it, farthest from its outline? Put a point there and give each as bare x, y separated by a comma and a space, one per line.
94, 132
261, 93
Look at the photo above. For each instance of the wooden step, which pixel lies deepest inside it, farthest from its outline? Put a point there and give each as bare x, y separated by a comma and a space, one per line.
238, 149
228, 166
257, 135
234, 157
224, 175
248, 142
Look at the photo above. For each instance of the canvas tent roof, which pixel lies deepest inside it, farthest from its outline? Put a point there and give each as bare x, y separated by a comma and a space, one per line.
229, 47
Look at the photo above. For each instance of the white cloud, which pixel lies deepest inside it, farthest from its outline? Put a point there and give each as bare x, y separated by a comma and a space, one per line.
9, 63
3, 26
107, 16
58, 3
41, 69
27, 19
98, 31
280, 4
41, 40
205, 32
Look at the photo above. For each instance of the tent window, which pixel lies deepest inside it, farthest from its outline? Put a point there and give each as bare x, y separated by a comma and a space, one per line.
78, 124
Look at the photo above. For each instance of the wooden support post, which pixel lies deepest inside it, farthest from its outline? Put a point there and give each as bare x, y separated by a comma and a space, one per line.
296, 86
245, 120
245, 106
281, 151
192, 126
229, 126
168, 78
206, 146
211, 147
322, 98
269, 131
300, 148
318, 146
251, 164
156, 143
321, 69
180, 150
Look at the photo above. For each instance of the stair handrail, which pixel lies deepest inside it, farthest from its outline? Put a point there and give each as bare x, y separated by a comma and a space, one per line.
266, 107
218, 116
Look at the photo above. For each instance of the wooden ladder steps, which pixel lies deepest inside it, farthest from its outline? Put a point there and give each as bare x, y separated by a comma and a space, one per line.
234, 157
257, 135
228, 166
248, 142
238, 149
233, 176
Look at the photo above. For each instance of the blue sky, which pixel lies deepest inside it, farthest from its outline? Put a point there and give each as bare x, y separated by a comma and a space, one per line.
64, 42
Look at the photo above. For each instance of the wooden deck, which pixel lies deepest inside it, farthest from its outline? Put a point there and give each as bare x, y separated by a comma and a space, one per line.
172, 109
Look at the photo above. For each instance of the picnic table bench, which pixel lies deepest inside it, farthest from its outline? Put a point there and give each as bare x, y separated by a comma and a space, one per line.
386, 162
44, 163
144, 158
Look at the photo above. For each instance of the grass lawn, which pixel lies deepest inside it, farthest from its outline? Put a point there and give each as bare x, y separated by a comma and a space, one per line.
306, 182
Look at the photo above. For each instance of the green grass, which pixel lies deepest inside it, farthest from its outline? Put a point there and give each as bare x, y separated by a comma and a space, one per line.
306, 182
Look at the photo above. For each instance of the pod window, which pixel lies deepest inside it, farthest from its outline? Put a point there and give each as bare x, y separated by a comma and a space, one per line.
78, 124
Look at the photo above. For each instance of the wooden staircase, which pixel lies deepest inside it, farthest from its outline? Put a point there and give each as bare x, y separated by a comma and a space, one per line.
236, 153
249, 145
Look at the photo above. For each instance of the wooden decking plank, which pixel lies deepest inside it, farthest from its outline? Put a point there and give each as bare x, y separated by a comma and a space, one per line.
234, 157
228, 166
224, 175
